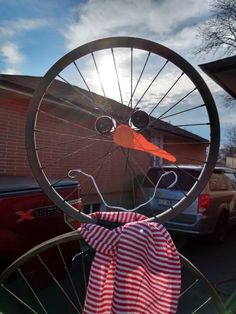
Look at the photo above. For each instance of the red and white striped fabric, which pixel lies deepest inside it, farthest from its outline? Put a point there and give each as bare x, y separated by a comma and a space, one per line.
136, 268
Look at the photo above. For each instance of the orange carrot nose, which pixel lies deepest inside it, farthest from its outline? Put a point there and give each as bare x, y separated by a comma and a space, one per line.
128, 138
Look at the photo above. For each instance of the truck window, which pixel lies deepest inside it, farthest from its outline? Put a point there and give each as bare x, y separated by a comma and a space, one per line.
232, 178
218, 182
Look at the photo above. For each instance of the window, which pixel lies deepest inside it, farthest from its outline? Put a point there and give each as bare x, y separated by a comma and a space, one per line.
154, 159
185, 178
218, 182
232, 178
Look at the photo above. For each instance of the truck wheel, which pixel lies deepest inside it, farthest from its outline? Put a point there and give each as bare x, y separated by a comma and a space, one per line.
221, 227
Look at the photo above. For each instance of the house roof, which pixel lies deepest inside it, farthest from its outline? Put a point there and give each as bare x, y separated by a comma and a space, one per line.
72, 96
223, 72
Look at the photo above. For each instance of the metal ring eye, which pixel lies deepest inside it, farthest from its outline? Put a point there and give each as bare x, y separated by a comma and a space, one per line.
140, 119
104, 124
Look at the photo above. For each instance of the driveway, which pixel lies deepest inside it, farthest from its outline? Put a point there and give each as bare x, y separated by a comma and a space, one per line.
216, 261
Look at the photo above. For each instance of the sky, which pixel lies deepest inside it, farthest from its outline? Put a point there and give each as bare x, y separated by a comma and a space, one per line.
34, 34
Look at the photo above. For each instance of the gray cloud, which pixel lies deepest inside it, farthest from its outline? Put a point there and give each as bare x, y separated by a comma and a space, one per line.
157, 20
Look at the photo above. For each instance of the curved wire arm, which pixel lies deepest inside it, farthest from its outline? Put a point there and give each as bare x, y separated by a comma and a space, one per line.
72, 175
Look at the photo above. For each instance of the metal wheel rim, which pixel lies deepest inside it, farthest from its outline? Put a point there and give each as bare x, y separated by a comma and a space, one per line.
113, 43
74, 235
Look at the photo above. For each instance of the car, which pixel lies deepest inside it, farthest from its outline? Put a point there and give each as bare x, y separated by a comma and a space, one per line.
210, 214
28, 217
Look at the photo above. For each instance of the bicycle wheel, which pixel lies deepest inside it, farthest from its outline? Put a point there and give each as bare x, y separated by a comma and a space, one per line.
112, 108
40, 281
47, 279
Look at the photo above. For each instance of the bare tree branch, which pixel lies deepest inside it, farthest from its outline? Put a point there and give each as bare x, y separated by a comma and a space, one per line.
219, 32
229, 148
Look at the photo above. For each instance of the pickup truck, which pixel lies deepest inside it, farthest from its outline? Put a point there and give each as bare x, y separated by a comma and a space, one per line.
28, 217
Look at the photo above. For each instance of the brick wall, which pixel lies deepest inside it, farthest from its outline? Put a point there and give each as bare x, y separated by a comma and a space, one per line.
62, 147
13, 158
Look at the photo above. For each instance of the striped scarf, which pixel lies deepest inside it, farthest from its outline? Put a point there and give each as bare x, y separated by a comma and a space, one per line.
136, 268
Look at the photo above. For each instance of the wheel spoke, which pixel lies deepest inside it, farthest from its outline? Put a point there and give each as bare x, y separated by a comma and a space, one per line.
76, 137
127, 83
117, 76
19, 299
68, 155
58, 285
189, 288
183, 111
32, 290
98, 74
70, 278
202, 305
85, 83
65, 121
164, 96
196, 296
163, 115
131, 77
140, 76
193, 124
97, 172
154, 79
92, 97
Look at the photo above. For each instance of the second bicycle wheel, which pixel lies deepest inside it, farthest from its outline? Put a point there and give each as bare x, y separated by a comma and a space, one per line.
45, 280
113, 108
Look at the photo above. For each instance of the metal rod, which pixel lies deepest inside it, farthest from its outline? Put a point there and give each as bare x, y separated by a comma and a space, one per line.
99, 77
161, 69
117, 76
202, 305
65, 121
32, 290
131, 77
68, 155
182, 111
140, 76
173, 106
69, 276
81, 75
166, 93
192, 124
58, 284
189, 288
19, 300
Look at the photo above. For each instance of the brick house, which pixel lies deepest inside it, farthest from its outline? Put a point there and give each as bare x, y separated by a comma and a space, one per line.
15, 94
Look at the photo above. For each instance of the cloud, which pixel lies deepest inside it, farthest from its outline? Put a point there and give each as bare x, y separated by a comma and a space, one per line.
10, 52
12, 28
173, 23
12, 57
183, 41
157, 20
